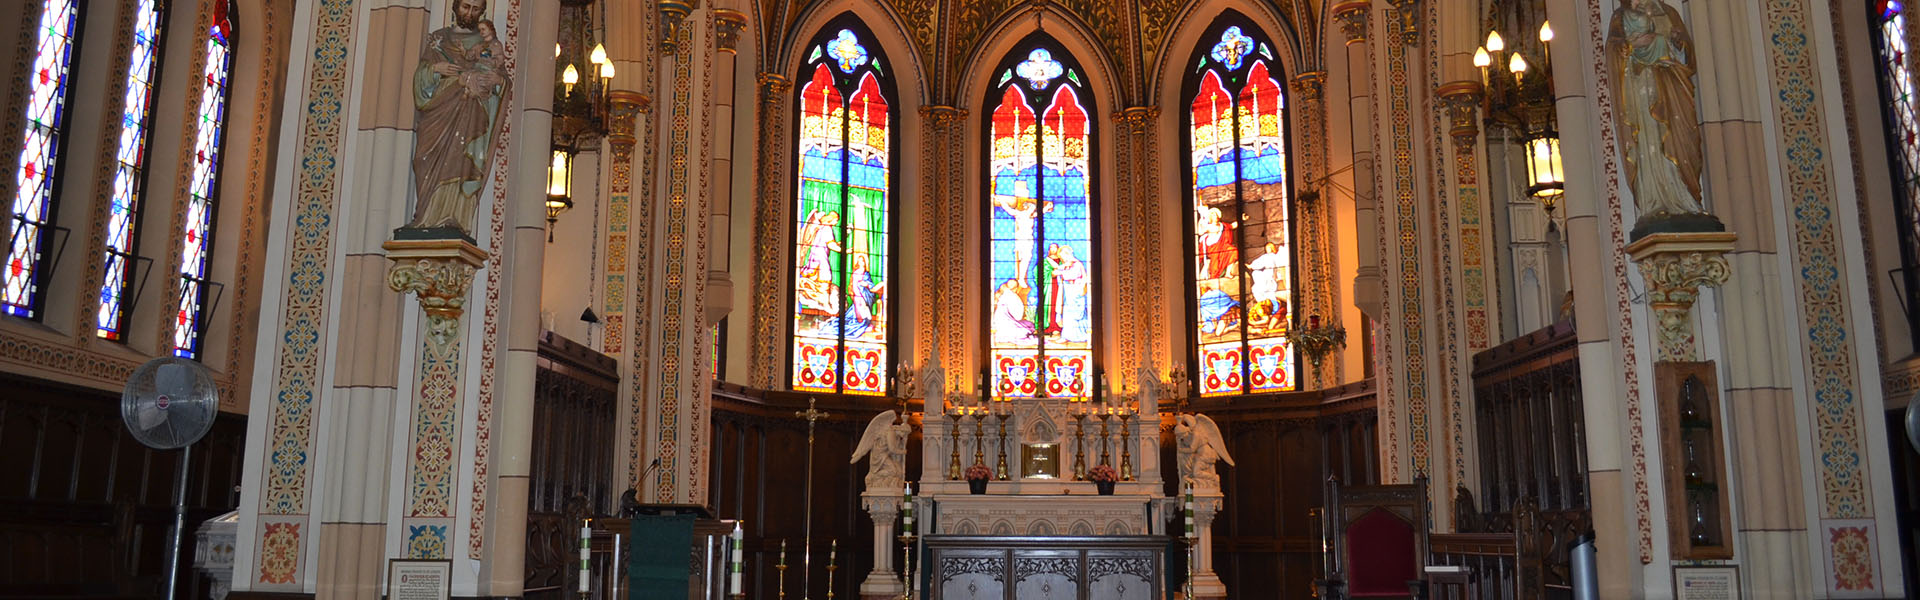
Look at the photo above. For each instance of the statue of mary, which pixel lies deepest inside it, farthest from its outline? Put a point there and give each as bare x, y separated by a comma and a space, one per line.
1650, 58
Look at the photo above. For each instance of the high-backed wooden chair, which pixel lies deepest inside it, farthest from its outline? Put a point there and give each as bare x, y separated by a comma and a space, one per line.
1377, 542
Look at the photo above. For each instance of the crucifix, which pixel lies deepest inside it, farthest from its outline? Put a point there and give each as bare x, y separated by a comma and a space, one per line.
813, 416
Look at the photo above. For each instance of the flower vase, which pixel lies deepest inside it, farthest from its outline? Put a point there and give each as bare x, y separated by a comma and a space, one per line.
1105, 487
977, 486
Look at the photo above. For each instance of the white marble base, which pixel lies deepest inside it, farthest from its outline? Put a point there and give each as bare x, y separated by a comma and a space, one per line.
1041, 514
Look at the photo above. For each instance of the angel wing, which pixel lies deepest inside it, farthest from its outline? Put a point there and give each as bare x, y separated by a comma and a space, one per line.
1210, 436
875, 438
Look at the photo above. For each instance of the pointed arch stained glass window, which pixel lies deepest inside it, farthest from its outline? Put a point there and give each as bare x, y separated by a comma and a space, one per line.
210, 124
1040, 286
842, 238
130, 170
1894, 66
1242, 245
35, 198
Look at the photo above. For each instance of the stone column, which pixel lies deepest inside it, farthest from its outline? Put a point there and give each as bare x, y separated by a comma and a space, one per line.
1206, 583
1317, 234
883, 583
1461, 101
1367, 292
354, 518
728, 25
1136, 212
771, 226
629, 168
943, 227
1752, 316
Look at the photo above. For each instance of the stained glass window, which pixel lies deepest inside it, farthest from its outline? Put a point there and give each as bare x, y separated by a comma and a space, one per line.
1895, 69
1040, 292
129, 173
842, 243
34, 195
1242, 250
210, 129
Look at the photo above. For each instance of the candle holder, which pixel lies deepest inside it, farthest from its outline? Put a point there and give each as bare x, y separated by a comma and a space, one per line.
953, 424
780, 568
1080, 443
1105, 438
1000, 466
979, 437
1126, 445
906, 566
833, 560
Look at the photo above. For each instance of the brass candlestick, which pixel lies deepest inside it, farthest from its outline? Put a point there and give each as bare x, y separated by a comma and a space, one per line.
1126, 447
833, 558
780, 576
1079, 446
1000, 466
1104, 439
953, 466
906, 566
979, 435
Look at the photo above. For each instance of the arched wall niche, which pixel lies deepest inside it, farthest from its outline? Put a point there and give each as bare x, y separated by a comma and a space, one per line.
1003, 38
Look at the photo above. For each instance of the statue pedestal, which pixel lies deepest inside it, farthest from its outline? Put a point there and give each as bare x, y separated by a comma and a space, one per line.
1206, 583
883, 583
439, 272
1676, 266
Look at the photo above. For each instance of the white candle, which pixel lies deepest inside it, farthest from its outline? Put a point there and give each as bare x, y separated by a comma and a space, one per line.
1188, 505
586, 536
833, 550
738, 554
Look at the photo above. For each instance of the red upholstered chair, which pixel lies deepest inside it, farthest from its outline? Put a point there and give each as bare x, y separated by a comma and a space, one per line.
1378, 539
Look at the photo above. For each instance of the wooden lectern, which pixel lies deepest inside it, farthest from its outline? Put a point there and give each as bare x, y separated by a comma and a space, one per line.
612, 545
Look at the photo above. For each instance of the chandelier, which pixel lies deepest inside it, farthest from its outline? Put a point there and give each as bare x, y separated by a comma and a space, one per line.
580, 98
1517, 78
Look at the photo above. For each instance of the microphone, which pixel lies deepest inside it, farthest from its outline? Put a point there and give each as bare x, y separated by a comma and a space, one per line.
650, 467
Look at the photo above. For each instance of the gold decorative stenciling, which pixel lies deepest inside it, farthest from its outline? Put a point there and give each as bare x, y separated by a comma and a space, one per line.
727, 25
1461, 100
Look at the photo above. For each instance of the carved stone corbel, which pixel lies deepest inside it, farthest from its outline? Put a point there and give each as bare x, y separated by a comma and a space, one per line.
439, 272
1462, 102
1676, 266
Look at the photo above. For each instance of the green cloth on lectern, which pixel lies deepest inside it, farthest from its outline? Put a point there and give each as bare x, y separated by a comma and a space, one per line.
661, 551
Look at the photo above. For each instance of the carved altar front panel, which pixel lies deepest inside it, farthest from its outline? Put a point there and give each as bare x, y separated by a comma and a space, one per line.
1049, 515
1046, 568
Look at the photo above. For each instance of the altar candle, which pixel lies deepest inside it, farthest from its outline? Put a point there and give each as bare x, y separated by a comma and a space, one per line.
1189, 510
586, 534
783, 553
738, 554
833, 551
906, 511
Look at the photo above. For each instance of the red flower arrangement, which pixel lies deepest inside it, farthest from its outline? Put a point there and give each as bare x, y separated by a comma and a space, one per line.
979, 472
1103, 474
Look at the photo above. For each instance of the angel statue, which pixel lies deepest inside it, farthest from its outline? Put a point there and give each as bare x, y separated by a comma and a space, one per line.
1650, 58
1200, 446
885, 446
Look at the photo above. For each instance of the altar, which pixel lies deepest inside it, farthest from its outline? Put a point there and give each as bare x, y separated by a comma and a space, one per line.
1035, 497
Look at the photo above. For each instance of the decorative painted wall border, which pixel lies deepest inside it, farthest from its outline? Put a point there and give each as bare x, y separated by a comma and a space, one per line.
1844, 497
770, 226
1407, 225
490, 323
1617, 256
309, 255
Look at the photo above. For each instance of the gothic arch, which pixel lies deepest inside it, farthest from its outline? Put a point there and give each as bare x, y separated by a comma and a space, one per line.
1184, 45
910, 83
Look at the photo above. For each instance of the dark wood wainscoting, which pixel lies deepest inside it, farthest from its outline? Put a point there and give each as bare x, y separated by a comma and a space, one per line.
1266, 539
84, 508
758, 473
575, 438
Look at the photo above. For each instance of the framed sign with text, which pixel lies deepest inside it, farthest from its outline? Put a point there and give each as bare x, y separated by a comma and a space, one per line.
419, 579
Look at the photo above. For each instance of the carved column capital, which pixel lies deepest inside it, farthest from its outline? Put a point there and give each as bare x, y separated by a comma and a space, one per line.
943, 117
1137, 119
673, 17
439, 272
623, 107
1676, 266
1462, 102
1408, 12
728, 24
772, 86
1352, 16
1310, 86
